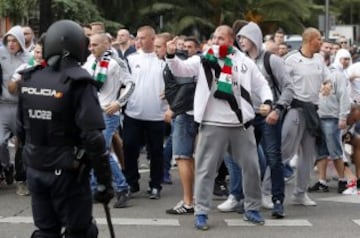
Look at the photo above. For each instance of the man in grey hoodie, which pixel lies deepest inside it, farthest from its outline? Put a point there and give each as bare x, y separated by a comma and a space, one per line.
268, 129
12, 55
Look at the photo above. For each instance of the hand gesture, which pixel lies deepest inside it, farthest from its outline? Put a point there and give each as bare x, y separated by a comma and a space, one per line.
171, 46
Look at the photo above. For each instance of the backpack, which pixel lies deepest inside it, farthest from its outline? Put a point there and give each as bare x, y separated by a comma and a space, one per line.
1, 80
269, 71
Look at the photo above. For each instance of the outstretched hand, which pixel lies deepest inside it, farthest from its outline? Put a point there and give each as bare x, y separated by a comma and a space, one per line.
171, 46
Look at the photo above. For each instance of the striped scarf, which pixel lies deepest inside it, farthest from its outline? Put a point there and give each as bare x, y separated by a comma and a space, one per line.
224, 83
100, 68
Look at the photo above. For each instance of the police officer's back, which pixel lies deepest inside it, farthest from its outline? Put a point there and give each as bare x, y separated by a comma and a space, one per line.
59, 117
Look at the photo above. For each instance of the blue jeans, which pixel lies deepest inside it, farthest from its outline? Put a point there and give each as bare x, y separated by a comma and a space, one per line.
185, 130
330, 145
270, 140
119, 181
235, 174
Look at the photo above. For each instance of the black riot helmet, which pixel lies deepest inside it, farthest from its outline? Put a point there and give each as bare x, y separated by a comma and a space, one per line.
65, 38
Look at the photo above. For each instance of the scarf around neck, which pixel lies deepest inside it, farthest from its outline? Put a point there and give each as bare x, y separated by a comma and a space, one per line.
100, 68
224, 83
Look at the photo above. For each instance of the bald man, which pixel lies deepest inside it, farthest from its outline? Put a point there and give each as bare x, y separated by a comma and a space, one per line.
144, 114
125, 47
302, 124
222, 106
110, 74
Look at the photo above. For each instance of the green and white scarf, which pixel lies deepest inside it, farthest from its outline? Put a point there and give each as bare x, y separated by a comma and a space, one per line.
224, 83
100, 68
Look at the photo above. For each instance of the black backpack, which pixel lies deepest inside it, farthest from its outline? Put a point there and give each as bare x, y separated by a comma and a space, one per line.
269, 71
1, 80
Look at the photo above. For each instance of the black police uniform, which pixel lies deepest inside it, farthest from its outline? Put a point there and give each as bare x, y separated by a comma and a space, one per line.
59, 115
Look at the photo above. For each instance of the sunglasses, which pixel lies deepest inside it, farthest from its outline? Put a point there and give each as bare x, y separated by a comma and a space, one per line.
343, 42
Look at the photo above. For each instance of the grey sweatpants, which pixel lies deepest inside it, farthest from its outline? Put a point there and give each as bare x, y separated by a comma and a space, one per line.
213, 141
297, 140
7, 128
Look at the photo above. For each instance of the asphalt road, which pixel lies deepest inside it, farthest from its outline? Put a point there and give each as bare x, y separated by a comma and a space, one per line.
334, 216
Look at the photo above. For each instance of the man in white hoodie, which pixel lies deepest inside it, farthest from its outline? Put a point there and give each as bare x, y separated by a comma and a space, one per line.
223, 107
13, 54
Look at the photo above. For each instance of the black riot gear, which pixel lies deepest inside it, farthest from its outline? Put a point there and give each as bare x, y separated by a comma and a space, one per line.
65, 38
60, 125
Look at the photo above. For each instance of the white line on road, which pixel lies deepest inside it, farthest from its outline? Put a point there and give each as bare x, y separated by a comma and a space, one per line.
286, 222
102, 221
357, 221
342, 198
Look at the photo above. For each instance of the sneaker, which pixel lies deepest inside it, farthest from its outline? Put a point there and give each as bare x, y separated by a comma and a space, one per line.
278, 211
229, 205
9, 174
122, 198
220, 189
289, 178
341, 186
154, 193
254, 216
319, 187
201, 222
304, 200
266, 202
22, 189
181, 209
351, 188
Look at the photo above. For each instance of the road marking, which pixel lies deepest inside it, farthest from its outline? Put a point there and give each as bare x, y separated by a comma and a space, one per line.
269, 222
342, 198
357, 221
102, 221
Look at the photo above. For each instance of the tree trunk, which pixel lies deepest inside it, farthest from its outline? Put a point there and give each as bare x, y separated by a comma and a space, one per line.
45, 15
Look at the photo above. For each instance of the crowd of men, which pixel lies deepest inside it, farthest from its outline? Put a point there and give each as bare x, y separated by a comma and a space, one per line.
237, 105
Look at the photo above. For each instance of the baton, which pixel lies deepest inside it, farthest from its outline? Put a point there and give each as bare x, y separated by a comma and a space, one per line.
108, 219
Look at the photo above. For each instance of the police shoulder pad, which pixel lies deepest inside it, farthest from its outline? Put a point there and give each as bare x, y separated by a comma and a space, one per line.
26, 73
78, 74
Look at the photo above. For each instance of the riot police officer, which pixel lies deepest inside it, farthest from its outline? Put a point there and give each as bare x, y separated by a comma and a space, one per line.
59, 117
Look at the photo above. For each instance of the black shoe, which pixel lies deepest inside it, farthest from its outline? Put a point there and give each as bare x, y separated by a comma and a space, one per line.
122, 198
278, 210
220, 189
180, 209
318, 187
134, 188
342, 186
9, 174
154, 193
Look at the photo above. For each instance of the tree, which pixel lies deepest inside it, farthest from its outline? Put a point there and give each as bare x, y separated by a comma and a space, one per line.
45, 15
17, 10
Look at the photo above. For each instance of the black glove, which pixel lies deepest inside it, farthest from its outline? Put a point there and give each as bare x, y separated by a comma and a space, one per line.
103, 194
101, 166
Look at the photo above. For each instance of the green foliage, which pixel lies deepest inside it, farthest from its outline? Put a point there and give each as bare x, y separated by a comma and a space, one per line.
188, 16
82, 11
17, 10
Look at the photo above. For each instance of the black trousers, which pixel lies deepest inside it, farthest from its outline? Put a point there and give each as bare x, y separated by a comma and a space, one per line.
61, 200
134, 133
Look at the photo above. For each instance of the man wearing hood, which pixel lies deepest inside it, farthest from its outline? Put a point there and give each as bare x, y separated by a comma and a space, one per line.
268, 129
12, 55
222, 105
